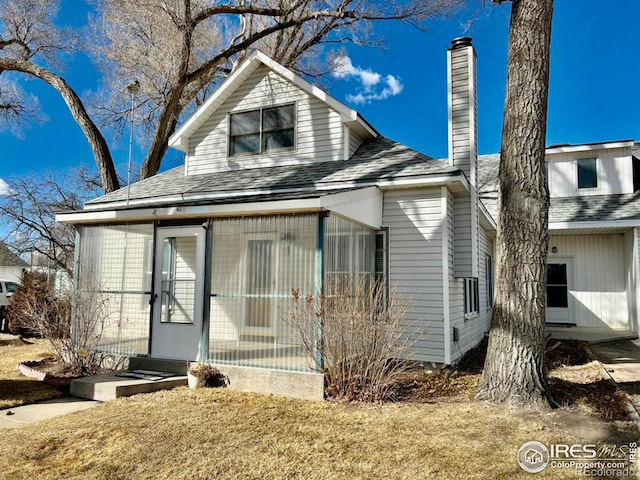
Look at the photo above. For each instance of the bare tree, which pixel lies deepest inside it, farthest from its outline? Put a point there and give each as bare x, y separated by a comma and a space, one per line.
28, 214
515, 370
180, 49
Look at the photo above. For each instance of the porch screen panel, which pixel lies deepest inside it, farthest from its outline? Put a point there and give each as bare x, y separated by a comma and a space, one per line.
349, 254
114, 270
256, 262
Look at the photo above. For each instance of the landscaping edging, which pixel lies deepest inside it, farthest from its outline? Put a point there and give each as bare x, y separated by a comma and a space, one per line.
27, 369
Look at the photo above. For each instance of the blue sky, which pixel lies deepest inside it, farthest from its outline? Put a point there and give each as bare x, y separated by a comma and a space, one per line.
594, 94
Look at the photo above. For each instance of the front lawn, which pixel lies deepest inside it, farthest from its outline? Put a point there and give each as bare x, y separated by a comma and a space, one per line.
212, 433
440, 433
14, 388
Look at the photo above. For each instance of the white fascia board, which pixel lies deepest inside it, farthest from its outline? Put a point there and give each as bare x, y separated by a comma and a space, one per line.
424, 182
589, 147
179, 212
594, 224
487, 217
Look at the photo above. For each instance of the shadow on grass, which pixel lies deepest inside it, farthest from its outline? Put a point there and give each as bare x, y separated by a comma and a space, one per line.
604, 398
15, 392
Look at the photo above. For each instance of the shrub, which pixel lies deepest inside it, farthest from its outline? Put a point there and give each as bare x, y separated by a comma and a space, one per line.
35, 309
208, 375
362, 337
38, 309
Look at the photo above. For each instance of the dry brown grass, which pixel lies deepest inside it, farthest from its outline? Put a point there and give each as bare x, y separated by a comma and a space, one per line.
14, 388
212, 433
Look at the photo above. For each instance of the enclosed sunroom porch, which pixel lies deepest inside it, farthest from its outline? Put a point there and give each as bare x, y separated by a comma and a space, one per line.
219, 289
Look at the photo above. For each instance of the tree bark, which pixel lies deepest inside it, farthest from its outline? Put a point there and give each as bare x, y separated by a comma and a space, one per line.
515, 370
96, 140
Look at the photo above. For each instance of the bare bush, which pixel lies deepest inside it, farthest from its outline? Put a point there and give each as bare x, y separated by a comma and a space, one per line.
355, 336
37, 308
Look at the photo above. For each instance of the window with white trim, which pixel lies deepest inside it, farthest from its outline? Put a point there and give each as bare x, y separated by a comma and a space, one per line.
471, 301
262, 130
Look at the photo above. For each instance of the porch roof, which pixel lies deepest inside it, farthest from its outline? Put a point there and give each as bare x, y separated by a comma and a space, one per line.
376, 162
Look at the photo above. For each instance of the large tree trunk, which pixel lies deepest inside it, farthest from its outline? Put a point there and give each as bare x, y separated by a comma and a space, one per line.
96, 140
515, 369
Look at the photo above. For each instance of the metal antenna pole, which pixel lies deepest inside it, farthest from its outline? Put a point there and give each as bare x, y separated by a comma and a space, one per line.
132, 88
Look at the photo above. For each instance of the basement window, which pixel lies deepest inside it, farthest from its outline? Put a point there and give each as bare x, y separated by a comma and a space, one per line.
262, 130
587, 173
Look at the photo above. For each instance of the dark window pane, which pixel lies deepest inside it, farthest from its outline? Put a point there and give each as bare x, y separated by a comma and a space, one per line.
278, 139
245, 144
587, 173
278, 118
557, 274
557, 296
245, 123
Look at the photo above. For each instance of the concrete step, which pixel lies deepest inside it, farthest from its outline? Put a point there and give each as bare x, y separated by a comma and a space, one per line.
109, 386
158, 364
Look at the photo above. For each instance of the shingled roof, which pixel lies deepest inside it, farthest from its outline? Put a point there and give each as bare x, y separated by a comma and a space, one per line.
375, 160
588, 208
10, 259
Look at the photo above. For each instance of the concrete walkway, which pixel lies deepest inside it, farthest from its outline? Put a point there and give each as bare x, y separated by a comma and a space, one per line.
35, 412
622, 360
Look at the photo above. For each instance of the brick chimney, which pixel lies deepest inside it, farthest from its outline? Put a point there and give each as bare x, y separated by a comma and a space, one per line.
463, 152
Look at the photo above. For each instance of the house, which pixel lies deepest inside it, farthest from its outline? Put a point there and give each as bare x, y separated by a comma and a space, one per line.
285, 187
11, 265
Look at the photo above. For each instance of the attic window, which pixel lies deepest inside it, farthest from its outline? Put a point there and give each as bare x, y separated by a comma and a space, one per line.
587, 173
262, 130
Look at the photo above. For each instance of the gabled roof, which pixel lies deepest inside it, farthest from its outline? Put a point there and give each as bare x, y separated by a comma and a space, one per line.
375, 162
180, 138
10, 259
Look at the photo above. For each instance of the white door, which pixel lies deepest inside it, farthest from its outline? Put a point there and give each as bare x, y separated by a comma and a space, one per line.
178, 288
559, 279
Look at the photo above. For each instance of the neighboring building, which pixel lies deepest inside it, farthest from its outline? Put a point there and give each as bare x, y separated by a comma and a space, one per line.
11, 265
285, 187
593, 277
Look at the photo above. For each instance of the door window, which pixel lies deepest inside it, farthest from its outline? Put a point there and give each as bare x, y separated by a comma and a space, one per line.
557, 287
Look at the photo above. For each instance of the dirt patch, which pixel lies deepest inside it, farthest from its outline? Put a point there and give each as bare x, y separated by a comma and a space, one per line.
576, 382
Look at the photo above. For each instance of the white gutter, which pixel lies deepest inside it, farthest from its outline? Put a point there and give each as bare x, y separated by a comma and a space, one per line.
595, 224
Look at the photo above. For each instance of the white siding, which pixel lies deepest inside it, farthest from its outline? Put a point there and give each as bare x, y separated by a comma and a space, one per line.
13, 274
415, 265
598, 296
319, 135
471, 330
614, 166
354, 142
632, 261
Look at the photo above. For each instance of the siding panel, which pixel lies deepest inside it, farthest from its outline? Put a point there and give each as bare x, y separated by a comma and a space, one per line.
598, 295
415, 266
